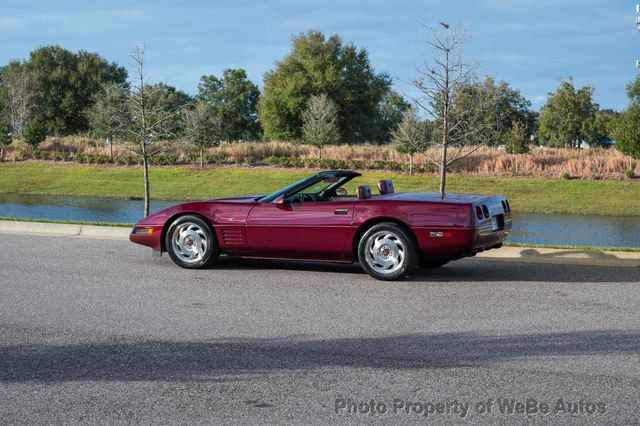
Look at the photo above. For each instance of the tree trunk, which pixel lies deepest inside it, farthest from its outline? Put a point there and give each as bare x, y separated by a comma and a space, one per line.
319, 152
201, 158
1, 153
443, 171
517, 156
411, 164
110, 142
145, 167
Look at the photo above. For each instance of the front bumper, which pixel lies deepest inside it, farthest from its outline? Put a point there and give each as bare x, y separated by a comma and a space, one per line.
147, 235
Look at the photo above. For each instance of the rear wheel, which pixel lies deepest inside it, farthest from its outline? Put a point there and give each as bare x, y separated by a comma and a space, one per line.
191, 243
387, 251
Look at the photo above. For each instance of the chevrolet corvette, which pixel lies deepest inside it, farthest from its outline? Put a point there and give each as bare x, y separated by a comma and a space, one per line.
316, 219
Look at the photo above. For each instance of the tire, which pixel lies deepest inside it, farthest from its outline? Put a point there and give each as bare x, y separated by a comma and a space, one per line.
432, 264
387, 251
191, 243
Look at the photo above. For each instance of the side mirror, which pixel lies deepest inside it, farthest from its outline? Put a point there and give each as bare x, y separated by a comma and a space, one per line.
279, 201
341, 192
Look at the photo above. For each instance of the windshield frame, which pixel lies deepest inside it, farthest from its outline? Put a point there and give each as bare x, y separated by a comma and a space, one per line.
307, 182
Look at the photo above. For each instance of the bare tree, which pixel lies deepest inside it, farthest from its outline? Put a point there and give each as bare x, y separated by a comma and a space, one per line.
450, 96
147, 121
20, 87
411, 136
320, 122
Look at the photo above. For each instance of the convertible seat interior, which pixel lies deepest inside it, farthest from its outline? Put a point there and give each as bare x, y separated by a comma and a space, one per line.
385, 186
363, 192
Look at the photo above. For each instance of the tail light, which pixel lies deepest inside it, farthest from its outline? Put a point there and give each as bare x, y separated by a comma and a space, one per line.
479, 212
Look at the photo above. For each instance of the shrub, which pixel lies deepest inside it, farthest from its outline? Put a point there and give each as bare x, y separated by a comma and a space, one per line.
34, 133
566, 176
164, 159
629, 174
357, 164
22, 155
81, 158
127, 159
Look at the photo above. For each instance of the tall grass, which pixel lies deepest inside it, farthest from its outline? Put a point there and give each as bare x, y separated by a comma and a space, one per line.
605, 164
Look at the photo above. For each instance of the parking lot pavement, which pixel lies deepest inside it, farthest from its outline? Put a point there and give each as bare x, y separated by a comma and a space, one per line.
98, 331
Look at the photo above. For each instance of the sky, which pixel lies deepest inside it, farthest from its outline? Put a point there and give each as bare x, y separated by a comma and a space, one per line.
530, 44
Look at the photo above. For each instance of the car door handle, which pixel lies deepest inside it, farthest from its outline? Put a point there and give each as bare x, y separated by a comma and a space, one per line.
341, 211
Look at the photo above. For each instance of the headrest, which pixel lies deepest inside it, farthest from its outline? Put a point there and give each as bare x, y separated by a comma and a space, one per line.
364, 192
385, 186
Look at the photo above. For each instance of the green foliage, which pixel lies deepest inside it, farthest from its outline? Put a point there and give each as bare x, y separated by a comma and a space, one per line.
108, 114
629, 174
166, 103
202, 126
5, 134
412, 135
234, 100
67, 83
517, 139
566, 176
392, 109
34, 132
564, 118
164, 159
320, 122
627, 131
596, 129
323, 65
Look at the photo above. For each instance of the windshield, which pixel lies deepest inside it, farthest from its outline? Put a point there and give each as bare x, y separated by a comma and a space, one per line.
269, 198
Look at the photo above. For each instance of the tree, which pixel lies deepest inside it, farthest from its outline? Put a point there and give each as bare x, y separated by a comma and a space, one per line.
234, 99
626, 127
202, 127
106, 114
506, 107
596, 129
149, 119
5, 137
518, 138
19, 90
164, 97
67, 83
320, 122
450, 97
410, 136
34, 133
392, 108
563, 117
317, 65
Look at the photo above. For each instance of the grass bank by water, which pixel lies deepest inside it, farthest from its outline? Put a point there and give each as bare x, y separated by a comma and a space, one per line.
191, 183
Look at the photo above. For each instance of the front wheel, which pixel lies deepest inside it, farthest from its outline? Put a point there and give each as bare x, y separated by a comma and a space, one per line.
387, 251
191, 243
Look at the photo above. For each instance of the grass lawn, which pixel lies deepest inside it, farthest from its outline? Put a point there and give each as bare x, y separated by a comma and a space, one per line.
191, 183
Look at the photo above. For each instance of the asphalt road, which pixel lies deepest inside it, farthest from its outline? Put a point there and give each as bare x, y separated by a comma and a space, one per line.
98, 331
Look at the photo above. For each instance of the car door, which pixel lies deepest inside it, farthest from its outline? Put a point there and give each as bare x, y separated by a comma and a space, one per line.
309, 230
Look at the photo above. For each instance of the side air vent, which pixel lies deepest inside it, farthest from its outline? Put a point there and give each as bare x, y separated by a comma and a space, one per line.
232, 236
485, 210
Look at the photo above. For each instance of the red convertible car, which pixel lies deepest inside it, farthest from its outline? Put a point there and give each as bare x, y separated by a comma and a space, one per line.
389, 233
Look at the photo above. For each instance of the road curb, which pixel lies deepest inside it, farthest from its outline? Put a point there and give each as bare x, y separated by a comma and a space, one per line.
64, 230
518, 254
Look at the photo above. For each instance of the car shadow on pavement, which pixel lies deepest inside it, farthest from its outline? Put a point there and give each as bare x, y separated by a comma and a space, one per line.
465, 270
231, 359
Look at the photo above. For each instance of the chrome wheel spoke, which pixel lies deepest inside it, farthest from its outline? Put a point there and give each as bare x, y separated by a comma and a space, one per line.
189, 242
384, 252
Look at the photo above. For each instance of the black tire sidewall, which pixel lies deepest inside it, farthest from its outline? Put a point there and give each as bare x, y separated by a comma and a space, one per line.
212, 252
411, 255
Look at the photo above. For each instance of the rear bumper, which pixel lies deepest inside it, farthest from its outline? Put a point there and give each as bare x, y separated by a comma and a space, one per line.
457, 243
